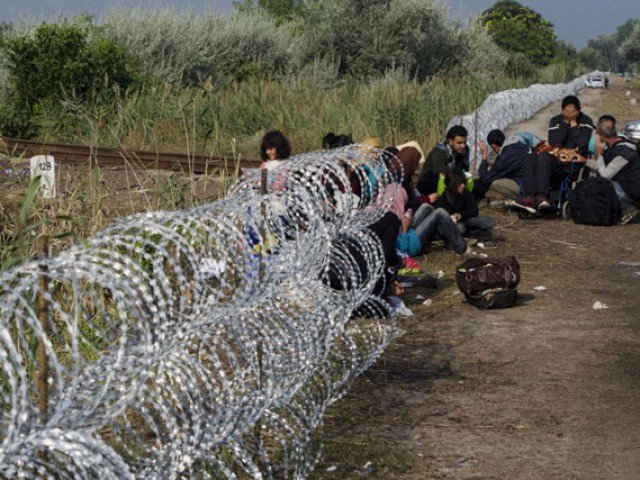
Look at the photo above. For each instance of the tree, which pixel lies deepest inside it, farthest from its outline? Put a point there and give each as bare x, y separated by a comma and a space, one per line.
630, 49
519, 29
610, 55
281, 10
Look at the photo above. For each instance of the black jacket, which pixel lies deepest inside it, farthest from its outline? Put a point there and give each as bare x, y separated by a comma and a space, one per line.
465, 204
571, 137
629, 176
440, 160
509, 164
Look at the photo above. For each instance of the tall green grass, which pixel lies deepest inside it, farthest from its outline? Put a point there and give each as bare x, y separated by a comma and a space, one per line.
232, 119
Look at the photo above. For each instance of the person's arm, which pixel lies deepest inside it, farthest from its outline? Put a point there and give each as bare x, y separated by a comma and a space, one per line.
557, 131
469, 206
610, 171
483, 170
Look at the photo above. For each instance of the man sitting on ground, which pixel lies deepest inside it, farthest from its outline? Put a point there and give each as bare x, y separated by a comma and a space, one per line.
620, 163
570, 130
446, 157
501, 179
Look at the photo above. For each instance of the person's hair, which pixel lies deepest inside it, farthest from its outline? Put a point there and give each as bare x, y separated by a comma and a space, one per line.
607, 118
409, 158
571, 100
331, 140
457, 131
452, 181
607, 126
496, 137
275, 139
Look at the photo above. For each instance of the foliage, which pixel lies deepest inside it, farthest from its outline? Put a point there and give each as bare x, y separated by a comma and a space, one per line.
606, 53
188, 49
519, 29
65, 61
281, 10
630, 48
368, 37
232, 119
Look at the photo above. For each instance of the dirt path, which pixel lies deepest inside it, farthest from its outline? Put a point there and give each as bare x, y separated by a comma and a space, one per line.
547, 390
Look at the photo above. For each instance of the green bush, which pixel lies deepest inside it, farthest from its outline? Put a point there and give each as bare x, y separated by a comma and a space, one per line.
188, 49
54, 62
369, 37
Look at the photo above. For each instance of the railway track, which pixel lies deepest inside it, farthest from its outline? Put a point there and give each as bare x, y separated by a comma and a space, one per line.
72, 154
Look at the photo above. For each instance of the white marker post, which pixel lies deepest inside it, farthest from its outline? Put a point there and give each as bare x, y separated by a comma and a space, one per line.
45, 166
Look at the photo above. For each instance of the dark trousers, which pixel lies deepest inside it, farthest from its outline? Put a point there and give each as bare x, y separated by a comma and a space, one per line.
480, 188
387, 230
538, 173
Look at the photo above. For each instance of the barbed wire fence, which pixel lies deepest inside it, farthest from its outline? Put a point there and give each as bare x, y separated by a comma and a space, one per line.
205, 343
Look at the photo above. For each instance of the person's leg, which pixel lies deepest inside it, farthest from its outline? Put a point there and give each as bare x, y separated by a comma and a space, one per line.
529, 183
439, 221
477, 225
423, 212
462, 227
480, 188
447, 229
547, 164
503, 189
425, 228
625, 201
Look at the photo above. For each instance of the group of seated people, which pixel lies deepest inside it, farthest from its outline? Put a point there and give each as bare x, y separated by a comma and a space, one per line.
442, 203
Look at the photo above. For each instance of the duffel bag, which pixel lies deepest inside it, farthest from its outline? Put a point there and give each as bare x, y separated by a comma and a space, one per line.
477, 275
494, 299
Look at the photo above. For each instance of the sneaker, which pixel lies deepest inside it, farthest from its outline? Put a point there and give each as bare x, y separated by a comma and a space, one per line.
629, 215
411, 267
527, 203
542, 202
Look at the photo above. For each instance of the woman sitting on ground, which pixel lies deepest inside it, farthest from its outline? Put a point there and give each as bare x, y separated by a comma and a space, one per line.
419, 229
460, 203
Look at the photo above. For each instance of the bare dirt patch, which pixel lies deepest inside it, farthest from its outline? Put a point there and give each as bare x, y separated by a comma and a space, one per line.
549, 389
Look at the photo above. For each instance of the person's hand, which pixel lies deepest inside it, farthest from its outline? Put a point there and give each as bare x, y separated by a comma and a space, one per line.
577, 158
483, 150
406, 222
433, 197
599, 145
456, 217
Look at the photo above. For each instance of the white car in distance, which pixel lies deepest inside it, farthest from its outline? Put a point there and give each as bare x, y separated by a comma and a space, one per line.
595, 82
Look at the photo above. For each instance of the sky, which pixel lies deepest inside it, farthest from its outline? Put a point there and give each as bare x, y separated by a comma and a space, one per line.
576, 21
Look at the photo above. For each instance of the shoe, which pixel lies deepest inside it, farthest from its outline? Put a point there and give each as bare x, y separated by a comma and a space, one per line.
527, 203
542, 202
629, 215
472, 242
411, 267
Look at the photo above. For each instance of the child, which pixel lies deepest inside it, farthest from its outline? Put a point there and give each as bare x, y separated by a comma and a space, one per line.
461, 205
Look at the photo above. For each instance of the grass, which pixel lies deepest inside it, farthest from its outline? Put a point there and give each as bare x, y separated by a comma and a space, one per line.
231, 120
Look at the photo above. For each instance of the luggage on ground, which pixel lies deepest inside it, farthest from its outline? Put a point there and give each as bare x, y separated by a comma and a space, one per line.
490, 282
594, 202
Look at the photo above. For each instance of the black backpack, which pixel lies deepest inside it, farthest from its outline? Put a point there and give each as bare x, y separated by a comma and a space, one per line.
594, 202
